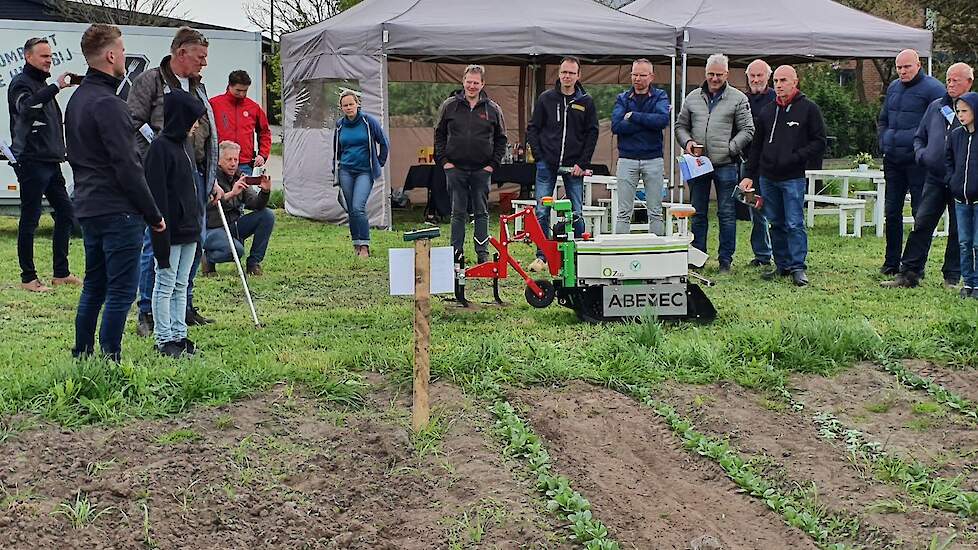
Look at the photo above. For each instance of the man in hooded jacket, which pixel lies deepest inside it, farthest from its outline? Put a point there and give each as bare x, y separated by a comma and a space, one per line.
172, 178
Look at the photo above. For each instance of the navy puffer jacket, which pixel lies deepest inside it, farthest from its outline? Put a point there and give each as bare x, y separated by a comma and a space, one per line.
902, 111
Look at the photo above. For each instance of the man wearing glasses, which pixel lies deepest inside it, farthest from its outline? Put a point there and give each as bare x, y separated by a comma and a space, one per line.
179, 70
37, 130
562, 133
638, 119
715, 121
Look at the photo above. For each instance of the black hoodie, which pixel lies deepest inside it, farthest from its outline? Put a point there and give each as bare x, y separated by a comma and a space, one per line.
787, 138
171, 175
36, 125
564, 129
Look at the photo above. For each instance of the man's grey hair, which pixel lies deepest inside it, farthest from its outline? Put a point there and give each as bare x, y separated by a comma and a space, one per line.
475, 69
962, 67
228, 145
767, 68
718, 59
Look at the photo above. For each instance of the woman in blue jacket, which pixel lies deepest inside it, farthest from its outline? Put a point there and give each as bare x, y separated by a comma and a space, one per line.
359, 155
962, 179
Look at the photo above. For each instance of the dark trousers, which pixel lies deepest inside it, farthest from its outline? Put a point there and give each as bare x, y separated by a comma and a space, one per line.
934, 200
112, 246
900, 178
39, 180
466, 186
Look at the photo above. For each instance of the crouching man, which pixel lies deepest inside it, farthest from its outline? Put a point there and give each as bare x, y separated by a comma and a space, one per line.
238, 195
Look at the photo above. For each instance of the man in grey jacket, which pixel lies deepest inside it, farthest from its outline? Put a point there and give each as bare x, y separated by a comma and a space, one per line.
179, 70
715, 121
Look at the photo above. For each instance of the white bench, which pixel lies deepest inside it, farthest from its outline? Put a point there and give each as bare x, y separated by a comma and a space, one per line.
942, 228
839, 205
670, 222
877, 219
594, 216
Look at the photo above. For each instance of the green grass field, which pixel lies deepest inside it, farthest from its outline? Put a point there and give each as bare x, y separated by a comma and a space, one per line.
331, 329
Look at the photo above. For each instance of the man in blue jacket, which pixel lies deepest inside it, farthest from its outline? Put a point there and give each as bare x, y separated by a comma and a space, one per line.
112, 201
638, 119
562, 133
907, 99
929, 145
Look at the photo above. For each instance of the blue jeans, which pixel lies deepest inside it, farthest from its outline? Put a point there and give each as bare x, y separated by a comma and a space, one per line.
546, 181
112, 244
258, 223
629, 172
37, 180
900, 178
784, 206
724, 179
760, 238
968, 241
170, 295
356, 187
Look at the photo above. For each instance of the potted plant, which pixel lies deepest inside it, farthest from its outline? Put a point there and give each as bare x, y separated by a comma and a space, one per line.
863, 161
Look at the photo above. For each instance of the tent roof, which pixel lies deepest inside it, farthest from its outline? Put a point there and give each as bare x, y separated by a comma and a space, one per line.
493, 31
813, 28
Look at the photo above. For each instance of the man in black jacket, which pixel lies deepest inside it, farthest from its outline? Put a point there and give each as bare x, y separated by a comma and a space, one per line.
112, 200
470, 140
790, 133
929, 145
562, 133
39, 148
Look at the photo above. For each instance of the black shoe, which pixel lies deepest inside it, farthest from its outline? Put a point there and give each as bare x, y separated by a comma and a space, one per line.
967, 292
144, 324
902, 280
758, 263
195, 319
483, 257
774, 274
889, 270
799, 277
171, 349
188, 346
951, 283
724, 267
207, 269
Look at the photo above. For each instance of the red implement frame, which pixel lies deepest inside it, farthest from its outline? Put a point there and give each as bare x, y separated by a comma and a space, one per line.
532, 233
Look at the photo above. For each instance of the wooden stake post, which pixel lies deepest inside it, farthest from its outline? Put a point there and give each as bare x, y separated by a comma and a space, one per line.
421, 412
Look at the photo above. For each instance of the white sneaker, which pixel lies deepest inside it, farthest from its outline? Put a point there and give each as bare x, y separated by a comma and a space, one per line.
538, 266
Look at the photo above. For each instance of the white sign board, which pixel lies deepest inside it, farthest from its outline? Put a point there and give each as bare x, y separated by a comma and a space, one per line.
401, 261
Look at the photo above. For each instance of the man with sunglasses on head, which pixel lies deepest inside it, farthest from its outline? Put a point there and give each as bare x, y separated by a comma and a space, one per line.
37, 131
179, 70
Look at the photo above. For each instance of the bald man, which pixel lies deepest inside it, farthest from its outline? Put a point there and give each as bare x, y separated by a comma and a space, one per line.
929, 145
760, 95
794, 136
907, 99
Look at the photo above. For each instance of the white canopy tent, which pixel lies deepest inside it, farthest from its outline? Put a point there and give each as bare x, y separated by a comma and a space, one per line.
356, 49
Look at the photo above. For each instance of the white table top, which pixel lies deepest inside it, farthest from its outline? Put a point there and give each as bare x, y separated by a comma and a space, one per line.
851, 173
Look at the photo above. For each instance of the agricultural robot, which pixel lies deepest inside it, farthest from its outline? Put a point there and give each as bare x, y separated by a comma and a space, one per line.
607, 278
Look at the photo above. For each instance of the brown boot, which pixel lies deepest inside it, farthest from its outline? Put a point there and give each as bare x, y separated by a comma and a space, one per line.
255, 269
35, 286
363, 251
69, 280
207, 269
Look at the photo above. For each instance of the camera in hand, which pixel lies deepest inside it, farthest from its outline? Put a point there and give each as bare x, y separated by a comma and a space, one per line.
73, 79
257, 173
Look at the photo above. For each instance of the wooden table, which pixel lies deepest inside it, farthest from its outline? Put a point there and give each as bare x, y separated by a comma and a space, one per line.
876, 176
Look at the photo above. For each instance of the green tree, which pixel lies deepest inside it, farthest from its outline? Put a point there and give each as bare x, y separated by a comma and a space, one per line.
851, 122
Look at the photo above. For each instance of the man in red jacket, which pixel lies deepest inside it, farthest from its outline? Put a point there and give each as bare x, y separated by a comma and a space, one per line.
238, 119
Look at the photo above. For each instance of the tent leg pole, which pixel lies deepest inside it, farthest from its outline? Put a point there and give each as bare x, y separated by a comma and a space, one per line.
681, 101
672, 130
930, 66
